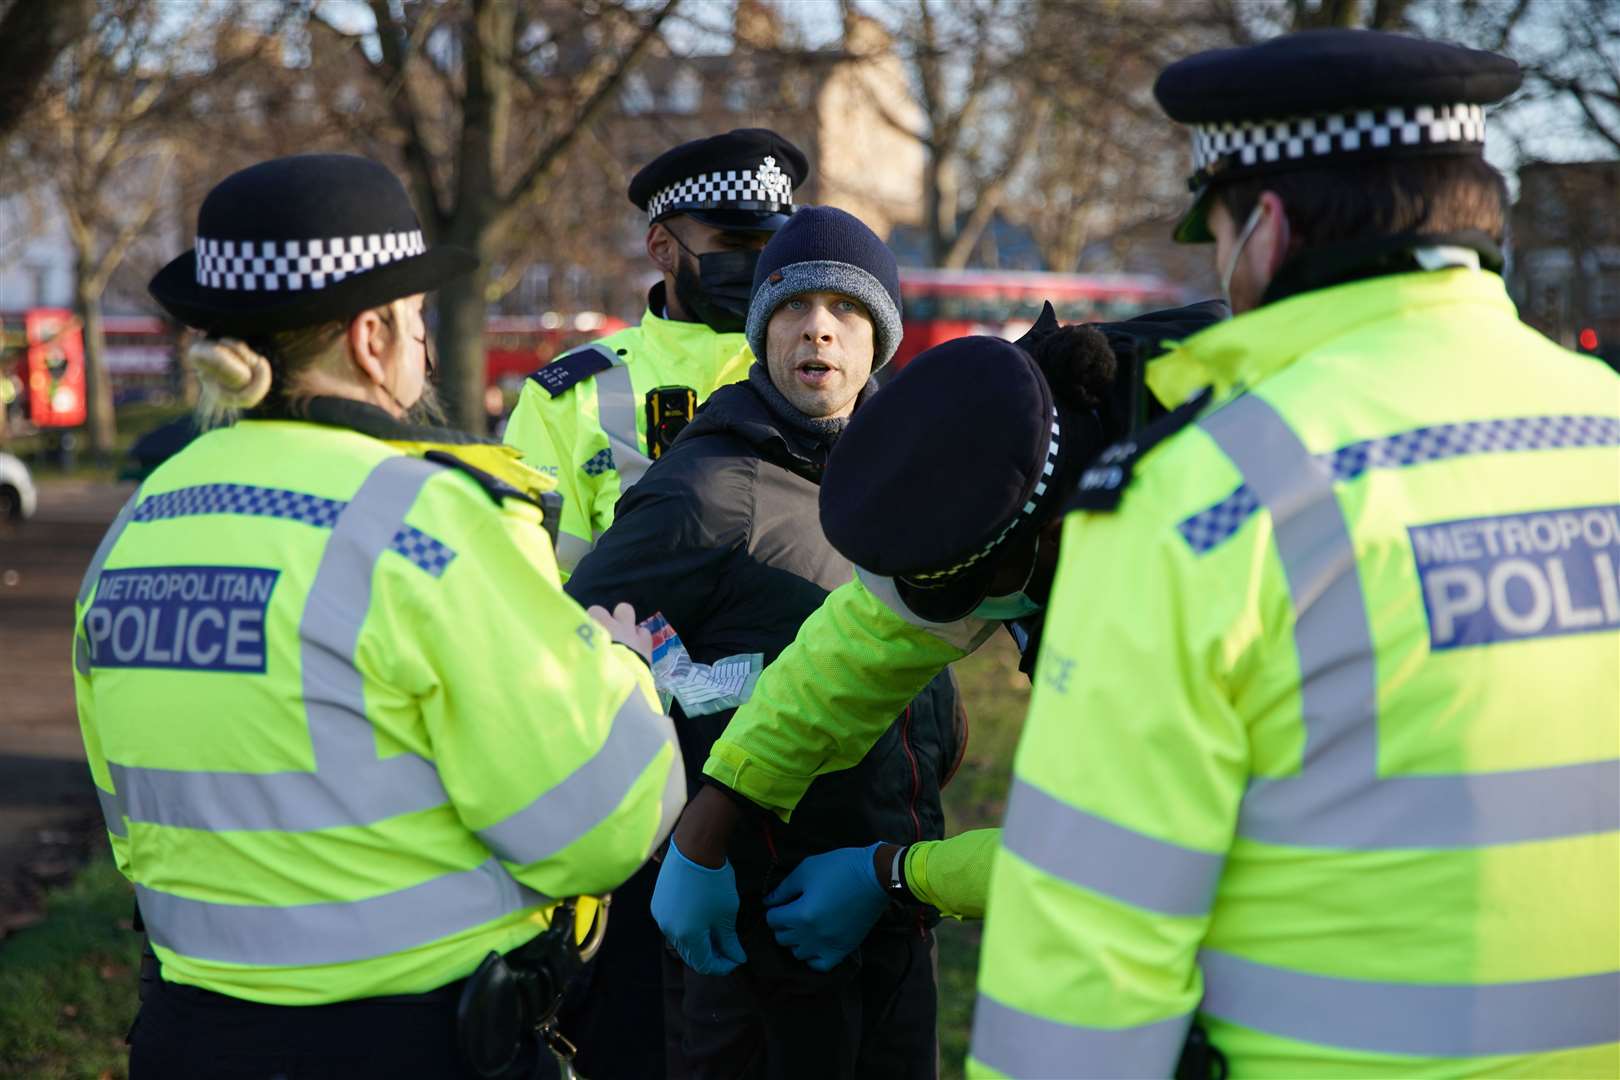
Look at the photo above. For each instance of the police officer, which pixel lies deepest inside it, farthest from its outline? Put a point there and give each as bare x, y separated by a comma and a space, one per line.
1333, 766
350, 737
945, 492
594, 418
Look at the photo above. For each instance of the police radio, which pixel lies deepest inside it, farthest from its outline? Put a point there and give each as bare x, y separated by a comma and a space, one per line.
669, 410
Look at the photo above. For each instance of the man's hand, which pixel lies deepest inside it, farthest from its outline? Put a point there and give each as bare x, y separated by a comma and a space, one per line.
827, 906
696, 908
622, 627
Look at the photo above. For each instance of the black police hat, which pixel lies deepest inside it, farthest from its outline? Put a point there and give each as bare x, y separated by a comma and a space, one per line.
743, 180
300, 240
1325, 97
957, 457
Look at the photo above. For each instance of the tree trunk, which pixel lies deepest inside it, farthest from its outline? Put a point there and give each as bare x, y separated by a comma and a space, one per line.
934, 207
462, 312
102, 420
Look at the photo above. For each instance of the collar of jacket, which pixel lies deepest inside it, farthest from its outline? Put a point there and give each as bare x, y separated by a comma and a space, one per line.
371, 420
503, 462
740, 411
686, 340
1248, 349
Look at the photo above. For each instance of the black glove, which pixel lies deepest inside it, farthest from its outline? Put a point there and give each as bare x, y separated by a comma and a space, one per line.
1137, 341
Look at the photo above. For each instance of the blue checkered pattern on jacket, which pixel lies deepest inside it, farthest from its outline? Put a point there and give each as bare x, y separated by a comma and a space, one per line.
1209, 527
599, 462
241, 499
423, 550
426, 552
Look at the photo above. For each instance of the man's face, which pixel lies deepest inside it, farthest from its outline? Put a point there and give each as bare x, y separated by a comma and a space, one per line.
819, 351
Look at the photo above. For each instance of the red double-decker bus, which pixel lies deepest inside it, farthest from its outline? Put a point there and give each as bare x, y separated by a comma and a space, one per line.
514, 345
943, 304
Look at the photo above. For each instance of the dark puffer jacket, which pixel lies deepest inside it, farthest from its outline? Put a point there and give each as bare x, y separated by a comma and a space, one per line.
723, 536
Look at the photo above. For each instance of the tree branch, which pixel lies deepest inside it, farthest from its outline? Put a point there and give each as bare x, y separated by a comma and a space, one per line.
609, 82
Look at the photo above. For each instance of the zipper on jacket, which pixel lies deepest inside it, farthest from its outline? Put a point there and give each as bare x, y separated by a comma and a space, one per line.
916, 773
916, 789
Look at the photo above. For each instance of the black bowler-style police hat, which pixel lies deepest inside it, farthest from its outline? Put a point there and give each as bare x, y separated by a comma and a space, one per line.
958, 456
742, 180
1324, 98
301, 240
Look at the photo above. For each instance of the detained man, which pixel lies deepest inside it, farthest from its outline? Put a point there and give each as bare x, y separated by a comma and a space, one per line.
722, 537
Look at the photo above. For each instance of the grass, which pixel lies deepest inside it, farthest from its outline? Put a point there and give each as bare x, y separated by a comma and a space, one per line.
67, 986
997, 694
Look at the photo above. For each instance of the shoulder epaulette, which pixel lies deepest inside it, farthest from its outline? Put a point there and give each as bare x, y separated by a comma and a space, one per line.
1103, 483
557, 377
493, 486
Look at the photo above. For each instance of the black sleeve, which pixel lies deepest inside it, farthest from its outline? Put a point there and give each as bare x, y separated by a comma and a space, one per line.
667, 551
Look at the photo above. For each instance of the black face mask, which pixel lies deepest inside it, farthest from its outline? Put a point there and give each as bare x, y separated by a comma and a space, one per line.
717, 292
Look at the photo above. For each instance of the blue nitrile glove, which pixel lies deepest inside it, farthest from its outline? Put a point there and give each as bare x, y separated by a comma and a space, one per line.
696, 908
827, 906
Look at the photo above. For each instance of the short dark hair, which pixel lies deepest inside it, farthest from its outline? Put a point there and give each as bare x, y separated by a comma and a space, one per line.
1379, 198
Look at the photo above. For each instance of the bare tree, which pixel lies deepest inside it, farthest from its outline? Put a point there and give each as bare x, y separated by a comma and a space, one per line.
105, 137
486, 98
32, 36
960, 56
1585, 69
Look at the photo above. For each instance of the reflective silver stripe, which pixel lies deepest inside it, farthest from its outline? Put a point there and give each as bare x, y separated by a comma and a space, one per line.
1024, 1045
570, 550
1460, 811
1425, 1020
340, 931
112, 811
591, 793
616, 411
1086, 850
350, 785
1338, 681
1338, 799
92, 573
341, 734
965, 634
673, 802
276, 802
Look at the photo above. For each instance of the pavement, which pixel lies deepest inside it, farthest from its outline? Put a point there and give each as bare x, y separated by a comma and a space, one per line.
49, 820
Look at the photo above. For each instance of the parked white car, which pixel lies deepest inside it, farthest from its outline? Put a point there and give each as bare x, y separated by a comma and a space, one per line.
17, 496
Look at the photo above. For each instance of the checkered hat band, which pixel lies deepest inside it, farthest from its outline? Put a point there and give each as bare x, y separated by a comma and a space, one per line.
766, 188
937, 578
293, 265
1217, 147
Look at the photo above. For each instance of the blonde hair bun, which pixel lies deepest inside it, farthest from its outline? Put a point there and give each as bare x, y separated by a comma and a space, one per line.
231, 374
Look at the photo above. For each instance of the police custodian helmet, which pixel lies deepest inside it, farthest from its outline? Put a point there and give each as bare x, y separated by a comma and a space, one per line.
742, 180
1324, 98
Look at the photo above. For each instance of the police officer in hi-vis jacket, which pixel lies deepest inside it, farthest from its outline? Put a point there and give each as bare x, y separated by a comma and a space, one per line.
1323, 762
352, 741
596, 417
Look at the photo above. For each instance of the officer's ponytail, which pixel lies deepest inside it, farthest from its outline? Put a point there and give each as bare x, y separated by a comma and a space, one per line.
234, 375
231, 377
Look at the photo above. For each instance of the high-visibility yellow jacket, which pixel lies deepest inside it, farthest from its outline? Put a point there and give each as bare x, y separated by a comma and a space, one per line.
822, 704
348, 732
591, 436
1324, 747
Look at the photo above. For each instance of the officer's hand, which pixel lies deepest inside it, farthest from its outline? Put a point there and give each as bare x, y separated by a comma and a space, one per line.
622, 627
827, 906
696, 908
